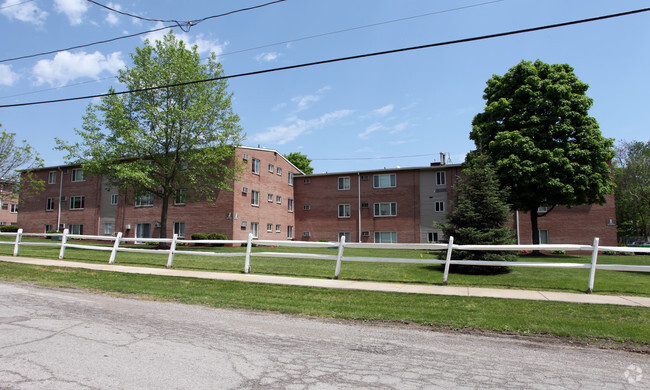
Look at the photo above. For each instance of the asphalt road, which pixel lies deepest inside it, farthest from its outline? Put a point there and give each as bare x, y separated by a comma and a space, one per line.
64, 339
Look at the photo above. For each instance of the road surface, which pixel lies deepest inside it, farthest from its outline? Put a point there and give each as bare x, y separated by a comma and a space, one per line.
67, 339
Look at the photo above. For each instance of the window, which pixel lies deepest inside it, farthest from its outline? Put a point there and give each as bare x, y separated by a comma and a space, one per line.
13, 208
440, 206
144, 200
346, 235
271, 168
289, 231
179, 228
49, 206
386, 209
51, 177
180, 197
256, 166
5, 206
76, 203
78, 175
290, 174
279, 170
385, 237
344, 183
542, 209
48, 228
255, 198
76, 229
432, 237
441, 178
290, 205
278, 228
306, 207
543, 236
114, 198
344, 211
383, 181
307, 181
278, 199
108, 228
255, 227
269, 227
270, 198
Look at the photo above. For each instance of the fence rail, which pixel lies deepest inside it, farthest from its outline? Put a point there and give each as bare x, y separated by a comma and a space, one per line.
339, 258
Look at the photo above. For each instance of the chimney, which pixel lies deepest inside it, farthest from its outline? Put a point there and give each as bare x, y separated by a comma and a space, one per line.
442, 158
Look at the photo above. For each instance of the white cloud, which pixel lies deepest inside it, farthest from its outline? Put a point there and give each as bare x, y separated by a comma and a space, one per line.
204, 46
111, 17
73, 9
26, 12
67, 66
7, 76
285, 133
371, 129
399, 127
303, 102
267, 57
383, 111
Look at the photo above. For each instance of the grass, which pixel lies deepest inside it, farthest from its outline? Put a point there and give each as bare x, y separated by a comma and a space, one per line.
608, 324
566, 280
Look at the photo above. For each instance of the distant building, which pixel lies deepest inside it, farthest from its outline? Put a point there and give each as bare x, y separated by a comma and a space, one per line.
274, 201
8, 204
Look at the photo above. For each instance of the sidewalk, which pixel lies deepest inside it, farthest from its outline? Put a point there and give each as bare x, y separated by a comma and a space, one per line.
350, 284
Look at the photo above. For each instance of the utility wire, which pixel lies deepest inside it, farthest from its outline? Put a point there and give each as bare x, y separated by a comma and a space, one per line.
13, 5
341, 59
191, 23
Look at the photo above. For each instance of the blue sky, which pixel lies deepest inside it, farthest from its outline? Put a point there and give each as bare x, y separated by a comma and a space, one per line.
394, 110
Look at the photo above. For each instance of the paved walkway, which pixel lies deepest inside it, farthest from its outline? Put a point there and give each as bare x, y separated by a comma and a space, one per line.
351, 284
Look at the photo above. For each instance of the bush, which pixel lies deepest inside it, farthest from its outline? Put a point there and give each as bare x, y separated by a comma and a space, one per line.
199, 236
9, 229
217, 236
559, 252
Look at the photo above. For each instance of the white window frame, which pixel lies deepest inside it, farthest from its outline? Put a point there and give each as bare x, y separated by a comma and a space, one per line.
76, 228
290, 205
255, 198
255, 229
108, 228
179, 228
270, 198
13, 208
73, 201
347, 236
180, 197
77, 175
51, 177
278, 228
256, 166
377, 180
542, 239
278, 199
344, 211
271, 168
439, 206
49, 204
441, 178
115, 198
344, 183
289, 231
379, 237
392, 209
290, 175
279, 171
269, 227
432, 237
145, 200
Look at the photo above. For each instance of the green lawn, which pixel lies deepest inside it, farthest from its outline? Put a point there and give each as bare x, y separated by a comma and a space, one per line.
567, 280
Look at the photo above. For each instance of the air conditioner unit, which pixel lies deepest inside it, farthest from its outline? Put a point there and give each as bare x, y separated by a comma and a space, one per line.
611, 222
306, 234
365, 234
127, 227
229, 216
244, 190
157, 224
236, 215
364, 177
306, 207
365, 205
244, 224
64, 198
65, 171
245, 157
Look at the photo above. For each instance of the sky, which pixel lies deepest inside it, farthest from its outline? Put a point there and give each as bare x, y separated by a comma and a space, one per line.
394, 110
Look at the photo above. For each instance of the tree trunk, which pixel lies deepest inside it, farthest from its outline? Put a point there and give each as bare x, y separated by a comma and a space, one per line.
535, 229
163, 222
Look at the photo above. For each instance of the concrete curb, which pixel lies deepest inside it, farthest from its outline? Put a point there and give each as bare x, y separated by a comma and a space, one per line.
350, 284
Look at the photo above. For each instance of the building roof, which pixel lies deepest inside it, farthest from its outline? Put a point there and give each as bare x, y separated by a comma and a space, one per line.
432, 167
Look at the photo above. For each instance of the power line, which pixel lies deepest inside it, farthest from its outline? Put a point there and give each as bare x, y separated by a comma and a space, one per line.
191, 23
13, 5
341, 59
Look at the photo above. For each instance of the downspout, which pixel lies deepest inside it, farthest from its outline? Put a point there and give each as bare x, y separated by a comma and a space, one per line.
517, 227
359, 203
58, 215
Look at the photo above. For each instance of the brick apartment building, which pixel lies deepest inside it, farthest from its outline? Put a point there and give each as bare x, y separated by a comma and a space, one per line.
273, 200
8, 204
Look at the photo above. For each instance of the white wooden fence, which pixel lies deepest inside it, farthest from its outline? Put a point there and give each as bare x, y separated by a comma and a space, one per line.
339, 258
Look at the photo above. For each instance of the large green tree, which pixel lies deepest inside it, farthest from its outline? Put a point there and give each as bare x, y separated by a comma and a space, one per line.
14, 156
171, 141
632, 175
480, 216
301, 161
545, 147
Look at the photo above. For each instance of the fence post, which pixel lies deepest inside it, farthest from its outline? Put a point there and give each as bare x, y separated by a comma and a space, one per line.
64, 240
19, 237
592, 271
448, 260
172, 249
337, 271
116, 245
249, 244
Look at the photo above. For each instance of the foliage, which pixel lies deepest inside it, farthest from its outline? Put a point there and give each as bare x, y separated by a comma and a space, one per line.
480, 217
217, 236
9, 229
301, 162
162, 141
14, 156
199, 236
545, 147
632, 176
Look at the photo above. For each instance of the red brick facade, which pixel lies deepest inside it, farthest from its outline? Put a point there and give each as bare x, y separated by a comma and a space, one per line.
399, 205
8, 205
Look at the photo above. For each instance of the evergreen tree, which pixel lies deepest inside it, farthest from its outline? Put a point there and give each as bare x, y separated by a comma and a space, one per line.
480, 217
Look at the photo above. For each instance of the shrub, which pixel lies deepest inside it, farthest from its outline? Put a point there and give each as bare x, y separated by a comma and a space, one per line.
199, 236
217, 236
9, 229
559, 252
